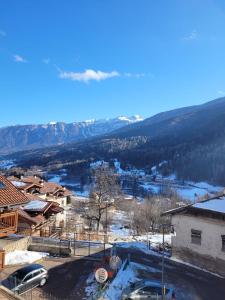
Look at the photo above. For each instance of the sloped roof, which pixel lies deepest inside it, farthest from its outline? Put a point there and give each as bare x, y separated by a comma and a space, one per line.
52, 188
214, 205
9, 194
37, 205
31, 220
31, 179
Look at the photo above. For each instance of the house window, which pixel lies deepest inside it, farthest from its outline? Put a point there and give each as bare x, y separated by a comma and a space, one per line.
2, 186
223, 242
196, 236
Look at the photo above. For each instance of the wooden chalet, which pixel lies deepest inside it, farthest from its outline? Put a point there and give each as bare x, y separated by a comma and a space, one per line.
37, 215
10, 200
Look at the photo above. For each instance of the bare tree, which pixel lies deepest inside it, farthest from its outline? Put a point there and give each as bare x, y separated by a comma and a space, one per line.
104, 191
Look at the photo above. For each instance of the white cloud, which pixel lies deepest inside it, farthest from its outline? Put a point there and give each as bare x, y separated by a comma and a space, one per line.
88, 75
46, 61
2, 33
220, 92
191, 36
19, 58
138, 75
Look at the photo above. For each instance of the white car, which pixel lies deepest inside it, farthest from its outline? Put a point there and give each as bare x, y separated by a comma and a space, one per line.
146, 289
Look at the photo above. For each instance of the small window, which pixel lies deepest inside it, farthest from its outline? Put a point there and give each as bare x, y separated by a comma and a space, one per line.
196, 236
2, 186
223, 242
36, 273
28, 277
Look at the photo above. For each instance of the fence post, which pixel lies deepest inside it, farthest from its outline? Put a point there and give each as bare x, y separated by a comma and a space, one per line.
104, 246
74, 244
89, 245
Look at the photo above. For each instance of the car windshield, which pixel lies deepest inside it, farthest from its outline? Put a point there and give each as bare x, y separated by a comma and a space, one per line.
18, 276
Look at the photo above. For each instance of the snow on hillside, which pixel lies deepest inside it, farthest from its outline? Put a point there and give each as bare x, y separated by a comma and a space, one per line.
7, 164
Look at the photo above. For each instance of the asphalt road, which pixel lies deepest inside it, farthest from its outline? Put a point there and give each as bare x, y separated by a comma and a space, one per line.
189, 283
67, 278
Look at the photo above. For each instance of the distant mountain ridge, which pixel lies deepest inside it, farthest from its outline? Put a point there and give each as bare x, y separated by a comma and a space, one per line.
26, 137
190, 139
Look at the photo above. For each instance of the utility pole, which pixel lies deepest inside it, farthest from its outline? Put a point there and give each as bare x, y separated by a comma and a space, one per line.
163, 259
106, 219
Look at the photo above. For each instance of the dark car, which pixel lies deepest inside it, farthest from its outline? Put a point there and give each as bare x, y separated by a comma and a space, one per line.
146, 289
26, 278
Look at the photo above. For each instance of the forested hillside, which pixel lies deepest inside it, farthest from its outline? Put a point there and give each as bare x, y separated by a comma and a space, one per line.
191, 140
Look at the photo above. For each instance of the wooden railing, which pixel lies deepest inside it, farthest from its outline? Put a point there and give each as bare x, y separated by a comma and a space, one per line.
8, 223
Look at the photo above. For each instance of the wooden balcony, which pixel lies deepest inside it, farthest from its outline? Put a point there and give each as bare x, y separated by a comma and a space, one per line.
8, 223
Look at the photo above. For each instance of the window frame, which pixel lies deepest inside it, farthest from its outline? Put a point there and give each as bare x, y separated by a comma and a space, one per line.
223, 242
196, 237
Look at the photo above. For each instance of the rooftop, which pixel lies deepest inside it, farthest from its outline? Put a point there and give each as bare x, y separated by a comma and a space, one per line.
37, 205
214, 205
9, 194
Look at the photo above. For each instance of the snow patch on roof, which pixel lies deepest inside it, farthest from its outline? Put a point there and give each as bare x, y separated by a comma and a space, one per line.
217, 205
35, 204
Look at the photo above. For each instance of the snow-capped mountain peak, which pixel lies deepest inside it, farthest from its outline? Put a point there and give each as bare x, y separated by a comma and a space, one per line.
55, 133
132, 119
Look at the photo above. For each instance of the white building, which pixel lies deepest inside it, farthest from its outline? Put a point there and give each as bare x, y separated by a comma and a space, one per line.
200, 234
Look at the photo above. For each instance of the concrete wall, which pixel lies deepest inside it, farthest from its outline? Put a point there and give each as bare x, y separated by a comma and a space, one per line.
209, 254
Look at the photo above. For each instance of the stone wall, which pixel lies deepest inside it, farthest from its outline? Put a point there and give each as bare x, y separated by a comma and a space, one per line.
52, 250
14, 243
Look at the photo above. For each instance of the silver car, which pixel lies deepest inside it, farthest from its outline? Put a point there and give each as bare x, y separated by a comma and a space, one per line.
146, 289
26, 278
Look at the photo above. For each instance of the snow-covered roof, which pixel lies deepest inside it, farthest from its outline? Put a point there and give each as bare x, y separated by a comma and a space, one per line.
18, 183
216, 204
36, 205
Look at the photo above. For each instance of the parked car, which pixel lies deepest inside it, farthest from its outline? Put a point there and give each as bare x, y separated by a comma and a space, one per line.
26, 278
146, 289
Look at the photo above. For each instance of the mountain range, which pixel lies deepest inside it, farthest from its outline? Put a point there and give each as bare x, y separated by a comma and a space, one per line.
191, 140
24, 137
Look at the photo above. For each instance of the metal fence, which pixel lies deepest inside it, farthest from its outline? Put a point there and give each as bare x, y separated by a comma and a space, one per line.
81, 248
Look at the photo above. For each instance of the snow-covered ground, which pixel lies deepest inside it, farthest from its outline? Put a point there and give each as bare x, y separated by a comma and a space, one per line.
23, 257
7, 164
188, 190
126, 275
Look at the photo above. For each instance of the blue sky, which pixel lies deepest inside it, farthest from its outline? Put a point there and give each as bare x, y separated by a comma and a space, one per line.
81, 59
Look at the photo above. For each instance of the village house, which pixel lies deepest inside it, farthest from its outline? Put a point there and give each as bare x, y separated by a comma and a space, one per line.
10, 200
200, 234
35, 216
39, 217
49, 191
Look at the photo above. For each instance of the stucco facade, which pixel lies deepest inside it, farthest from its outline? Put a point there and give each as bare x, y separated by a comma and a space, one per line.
209, 253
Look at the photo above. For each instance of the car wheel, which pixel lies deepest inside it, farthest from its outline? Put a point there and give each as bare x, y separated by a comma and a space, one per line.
43, 281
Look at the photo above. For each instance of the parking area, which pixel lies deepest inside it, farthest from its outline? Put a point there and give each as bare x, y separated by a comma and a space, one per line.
67, 279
